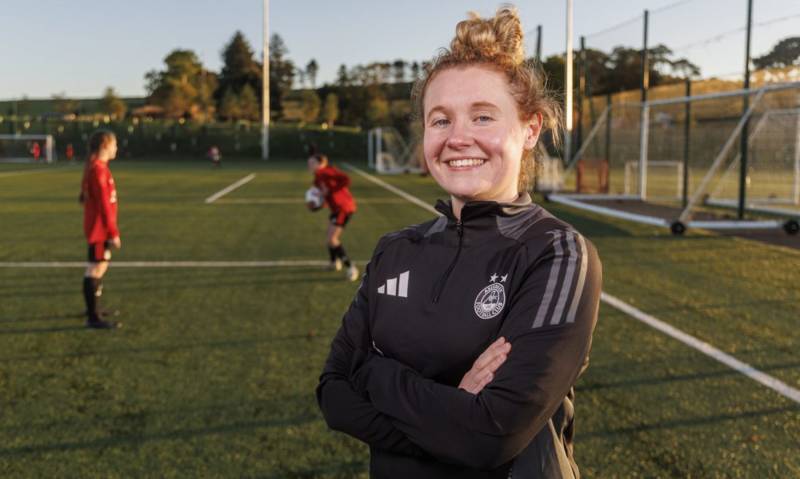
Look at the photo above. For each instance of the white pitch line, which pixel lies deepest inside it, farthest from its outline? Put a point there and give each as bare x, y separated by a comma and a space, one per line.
31, 171
765, 379
219, 194
769, 381
172, 264
301, 201
393, 189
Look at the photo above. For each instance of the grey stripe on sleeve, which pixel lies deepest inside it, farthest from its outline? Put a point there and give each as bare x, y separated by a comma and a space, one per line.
555, 269
566, 285
581, 280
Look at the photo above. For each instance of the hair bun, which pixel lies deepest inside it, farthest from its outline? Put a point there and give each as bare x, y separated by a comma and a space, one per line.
497, 39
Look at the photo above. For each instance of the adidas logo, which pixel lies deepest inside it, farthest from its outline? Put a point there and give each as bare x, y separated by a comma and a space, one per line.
396, 286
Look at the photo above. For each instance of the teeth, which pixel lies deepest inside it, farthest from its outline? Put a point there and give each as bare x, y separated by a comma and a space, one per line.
467, 162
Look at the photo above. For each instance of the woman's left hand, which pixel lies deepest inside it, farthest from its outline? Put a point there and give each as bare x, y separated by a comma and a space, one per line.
483, 369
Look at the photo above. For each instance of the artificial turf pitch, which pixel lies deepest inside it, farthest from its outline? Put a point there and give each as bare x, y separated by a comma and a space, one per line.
213, 374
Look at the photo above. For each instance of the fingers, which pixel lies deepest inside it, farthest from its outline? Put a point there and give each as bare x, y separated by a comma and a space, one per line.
499, 347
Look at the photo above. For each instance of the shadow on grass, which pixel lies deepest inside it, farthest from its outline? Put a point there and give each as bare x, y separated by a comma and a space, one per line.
138, 439
61, 329
676, 378
687, 422
236, 343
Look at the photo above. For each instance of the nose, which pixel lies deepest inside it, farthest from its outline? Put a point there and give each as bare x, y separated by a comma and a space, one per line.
459, 137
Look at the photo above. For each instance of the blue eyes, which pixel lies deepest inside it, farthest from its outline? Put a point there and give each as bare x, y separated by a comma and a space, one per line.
443, 122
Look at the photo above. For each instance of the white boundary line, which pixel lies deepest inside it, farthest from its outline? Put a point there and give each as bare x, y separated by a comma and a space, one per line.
31, 171
393, 189
219, 194
778, 386
301, 201
765, 379
172, 264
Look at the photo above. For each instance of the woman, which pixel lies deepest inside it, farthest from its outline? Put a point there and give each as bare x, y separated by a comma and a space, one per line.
99, 198
335, 187
458, 356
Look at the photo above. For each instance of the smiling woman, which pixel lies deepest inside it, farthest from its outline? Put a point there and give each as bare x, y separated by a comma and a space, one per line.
459, 354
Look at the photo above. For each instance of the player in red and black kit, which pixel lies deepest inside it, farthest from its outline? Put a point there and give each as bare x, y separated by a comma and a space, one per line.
334, 185
99, 198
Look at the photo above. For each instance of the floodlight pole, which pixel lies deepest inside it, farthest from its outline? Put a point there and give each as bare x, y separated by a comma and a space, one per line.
743, 146
687, 131
644, 131
581, 93
265, 87
568, 90
539, 44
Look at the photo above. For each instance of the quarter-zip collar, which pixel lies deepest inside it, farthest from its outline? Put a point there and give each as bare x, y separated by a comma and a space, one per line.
478, 209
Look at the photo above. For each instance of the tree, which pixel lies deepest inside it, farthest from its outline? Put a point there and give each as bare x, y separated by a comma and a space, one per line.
399, 71
239, 67
180, 88
112, 104
342, 77
331, 110
281, 72
311, 72
64, 105
784, 54
229, 105
310, 105
377, 108
249, 106
415, 71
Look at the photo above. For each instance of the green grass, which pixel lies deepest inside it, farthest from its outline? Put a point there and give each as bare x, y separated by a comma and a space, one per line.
213, 374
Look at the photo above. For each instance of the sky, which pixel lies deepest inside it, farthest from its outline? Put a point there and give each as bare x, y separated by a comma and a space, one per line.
80, 47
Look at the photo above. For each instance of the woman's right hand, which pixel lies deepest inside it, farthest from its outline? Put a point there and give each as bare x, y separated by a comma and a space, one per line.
483, 369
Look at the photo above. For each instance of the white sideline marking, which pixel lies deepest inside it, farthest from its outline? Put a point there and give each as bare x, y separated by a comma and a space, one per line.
301, 201
219, 194
395, 190
775, 384
171, 264
31, 171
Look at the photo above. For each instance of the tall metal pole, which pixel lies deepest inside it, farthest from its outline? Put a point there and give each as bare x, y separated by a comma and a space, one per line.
265, 87
568, 89
645, 59
539, 44
743, 147
687, 131
581, 93
644, 130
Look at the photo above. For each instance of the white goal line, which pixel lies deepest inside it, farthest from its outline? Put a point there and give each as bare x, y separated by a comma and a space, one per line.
763, 378
219, 194
173, 264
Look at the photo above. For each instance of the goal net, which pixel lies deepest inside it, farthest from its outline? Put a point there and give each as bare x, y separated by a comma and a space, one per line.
388, 152
27, 148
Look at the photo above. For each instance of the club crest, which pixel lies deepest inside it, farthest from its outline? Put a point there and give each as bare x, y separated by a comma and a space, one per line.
490, 301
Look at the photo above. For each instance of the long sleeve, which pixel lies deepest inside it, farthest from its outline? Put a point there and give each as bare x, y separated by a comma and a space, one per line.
99, 189
345, 409
549, 324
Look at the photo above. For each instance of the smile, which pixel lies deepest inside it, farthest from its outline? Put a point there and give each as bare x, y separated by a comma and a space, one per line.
465, 162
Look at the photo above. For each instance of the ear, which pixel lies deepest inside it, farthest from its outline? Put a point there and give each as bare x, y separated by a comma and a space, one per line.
532, 129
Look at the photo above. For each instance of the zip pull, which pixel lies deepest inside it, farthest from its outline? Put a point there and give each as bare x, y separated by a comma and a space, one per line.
446, 275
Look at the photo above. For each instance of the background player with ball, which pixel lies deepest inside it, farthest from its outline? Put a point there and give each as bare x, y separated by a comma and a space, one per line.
331, 187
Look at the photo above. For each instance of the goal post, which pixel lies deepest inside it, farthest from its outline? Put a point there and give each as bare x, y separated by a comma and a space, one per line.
27, 148
388, 152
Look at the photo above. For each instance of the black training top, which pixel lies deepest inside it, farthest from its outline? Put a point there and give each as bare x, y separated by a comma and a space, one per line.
433, 298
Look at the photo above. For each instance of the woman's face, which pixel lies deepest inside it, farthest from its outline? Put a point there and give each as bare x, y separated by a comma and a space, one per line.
473, 136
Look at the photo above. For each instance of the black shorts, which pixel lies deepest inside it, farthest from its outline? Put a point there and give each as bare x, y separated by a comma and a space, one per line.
340, 218
99, 252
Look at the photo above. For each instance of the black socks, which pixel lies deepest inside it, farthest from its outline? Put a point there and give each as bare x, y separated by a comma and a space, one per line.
340, 253
91, 288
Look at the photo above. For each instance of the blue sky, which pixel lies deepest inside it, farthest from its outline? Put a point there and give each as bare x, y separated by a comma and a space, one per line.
81, 47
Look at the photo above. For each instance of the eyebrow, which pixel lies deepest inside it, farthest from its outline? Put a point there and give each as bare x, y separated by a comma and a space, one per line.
476, 105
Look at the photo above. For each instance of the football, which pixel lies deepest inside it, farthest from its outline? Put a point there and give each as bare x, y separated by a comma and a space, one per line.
314, 199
